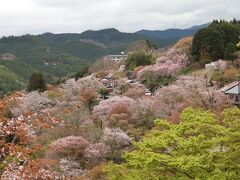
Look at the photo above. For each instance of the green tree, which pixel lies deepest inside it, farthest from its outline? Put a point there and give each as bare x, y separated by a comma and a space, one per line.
81, 73
209, 44
229, 51
207, 41
151, 81
140, 58
37, 83
199, 147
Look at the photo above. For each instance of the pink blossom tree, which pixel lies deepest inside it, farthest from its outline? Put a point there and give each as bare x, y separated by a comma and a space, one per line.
33, 102
97, 152
104, 108
169, 64
71, 146
188, 91
116, 139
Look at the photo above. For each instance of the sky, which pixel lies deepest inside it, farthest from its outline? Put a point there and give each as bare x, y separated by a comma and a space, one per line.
18, 17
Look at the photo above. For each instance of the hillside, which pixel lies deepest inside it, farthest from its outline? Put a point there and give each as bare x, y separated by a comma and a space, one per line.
32, 55
58, 55
9, 81
160, 123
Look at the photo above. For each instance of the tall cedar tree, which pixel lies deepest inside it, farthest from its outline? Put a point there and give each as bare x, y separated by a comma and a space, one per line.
37, 83
229, 52
210, 43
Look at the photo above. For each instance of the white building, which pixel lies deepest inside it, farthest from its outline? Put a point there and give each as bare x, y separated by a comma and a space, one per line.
233, 90
118, 57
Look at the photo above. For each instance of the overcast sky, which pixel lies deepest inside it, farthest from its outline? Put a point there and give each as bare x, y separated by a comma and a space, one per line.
19, 17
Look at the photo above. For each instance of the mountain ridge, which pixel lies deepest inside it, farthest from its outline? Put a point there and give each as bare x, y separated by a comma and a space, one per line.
172, 33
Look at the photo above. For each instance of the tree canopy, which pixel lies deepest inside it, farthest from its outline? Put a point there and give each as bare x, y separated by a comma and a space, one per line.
200, 146
210, 43
37, 82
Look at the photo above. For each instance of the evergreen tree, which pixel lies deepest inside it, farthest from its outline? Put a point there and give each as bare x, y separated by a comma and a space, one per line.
210, 44
229, 51
81, 73
37, 83
234, 21
151, 81
140, 58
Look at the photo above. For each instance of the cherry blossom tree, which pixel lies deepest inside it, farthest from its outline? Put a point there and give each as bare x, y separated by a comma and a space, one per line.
117, 140
135, 92
71, 146
103, 109
189, 91
169, 64
97, 152
32, 102
89, 98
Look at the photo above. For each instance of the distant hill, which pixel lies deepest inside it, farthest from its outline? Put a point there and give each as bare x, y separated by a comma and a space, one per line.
172, 34
26, 54
95, 44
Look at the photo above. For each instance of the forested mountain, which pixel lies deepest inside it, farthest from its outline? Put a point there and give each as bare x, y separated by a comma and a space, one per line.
32, 55
172, 34
95, 44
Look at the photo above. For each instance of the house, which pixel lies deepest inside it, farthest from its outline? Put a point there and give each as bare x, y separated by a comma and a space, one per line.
108, 82
118, 58
233, 90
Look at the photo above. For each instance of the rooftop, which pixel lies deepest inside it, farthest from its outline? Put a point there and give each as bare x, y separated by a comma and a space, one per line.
229, 86
234, 90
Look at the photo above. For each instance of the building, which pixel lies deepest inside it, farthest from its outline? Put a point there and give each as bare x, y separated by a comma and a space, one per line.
233, 90
108, 82
118, 58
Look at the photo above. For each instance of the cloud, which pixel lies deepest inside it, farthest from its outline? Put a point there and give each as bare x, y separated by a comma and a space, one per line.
38, 16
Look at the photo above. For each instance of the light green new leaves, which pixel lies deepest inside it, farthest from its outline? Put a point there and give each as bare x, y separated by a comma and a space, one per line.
199, 147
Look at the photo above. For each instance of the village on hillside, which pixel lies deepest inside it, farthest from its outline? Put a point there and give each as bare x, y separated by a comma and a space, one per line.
143, 113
